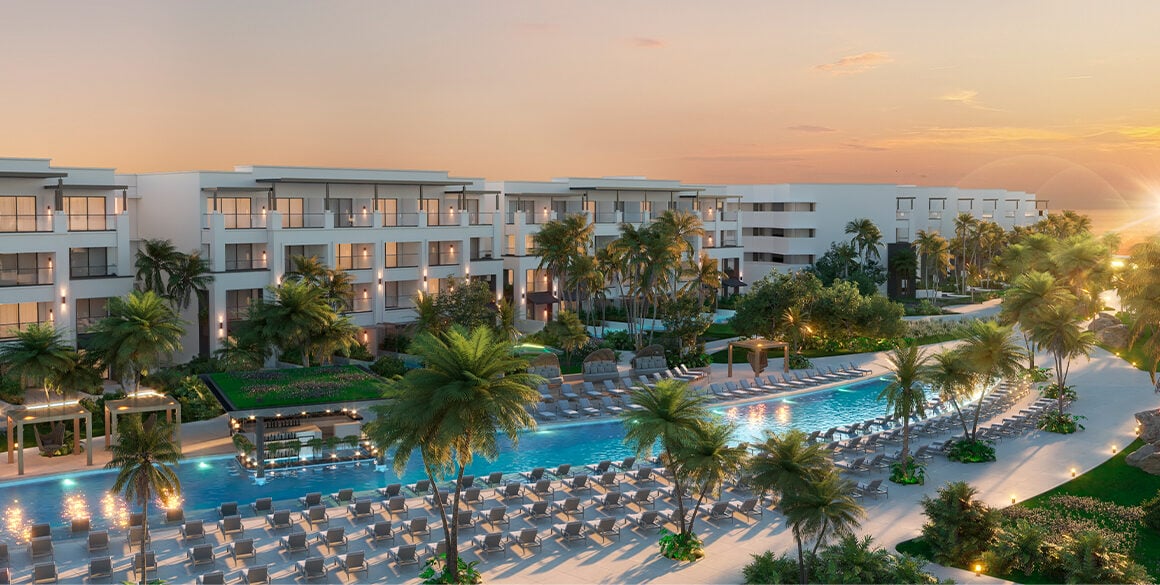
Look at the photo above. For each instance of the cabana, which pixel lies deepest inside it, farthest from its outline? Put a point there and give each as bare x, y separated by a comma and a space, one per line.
600, 365
649, 360
758, 347
546, 365
33, 413
139, 402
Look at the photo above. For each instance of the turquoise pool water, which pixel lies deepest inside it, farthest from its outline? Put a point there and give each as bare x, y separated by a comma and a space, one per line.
206, 482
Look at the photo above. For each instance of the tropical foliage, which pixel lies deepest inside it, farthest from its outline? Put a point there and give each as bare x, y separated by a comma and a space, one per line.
176, 276
140, 331
959, 528
849, 560
905, 398
298, 317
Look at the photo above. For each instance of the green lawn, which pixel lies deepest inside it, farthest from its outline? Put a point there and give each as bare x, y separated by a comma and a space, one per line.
298, 386
718, 331
1112, 481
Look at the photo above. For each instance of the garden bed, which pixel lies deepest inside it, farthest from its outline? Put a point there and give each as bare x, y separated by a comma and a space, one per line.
1113, 482
297, 386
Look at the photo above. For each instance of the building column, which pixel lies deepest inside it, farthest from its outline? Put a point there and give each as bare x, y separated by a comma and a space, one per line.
20, 451
177, 427
108, 427
11, 442
260, 444
89, 439
77, 435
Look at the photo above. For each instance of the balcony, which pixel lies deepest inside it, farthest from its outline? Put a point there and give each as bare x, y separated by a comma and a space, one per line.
937, 215
400, 220
353, 262
237, 221
25, 277
482, 255
404, 260
81, 272
607, 217
354, 220
294, 221
902, 214
728, 216
244, 265
99, 222
481, 218
11, 224
358, 305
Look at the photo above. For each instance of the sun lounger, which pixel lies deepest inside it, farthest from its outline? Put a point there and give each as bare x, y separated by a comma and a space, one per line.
201, 554
354, 562
311, 569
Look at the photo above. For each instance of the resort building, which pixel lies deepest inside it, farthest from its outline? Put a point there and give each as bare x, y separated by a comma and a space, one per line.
396, 232
65, 245
789, 226
608, 202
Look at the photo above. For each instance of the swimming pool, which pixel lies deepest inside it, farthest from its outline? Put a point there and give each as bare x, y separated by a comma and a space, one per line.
208, 481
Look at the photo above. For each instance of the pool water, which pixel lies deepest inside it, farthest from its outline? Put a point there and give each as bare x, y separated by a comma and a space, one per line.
208, 481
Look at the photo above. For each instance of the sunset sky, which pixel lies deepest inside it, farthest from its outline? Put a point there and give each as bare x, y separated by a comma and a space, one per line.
1056, 97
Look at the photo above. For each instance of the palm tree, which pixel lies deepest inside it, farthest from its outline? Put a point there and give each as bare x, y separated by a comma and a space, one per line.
144, 455
310, 269
1057, 329
1079, 260
154, 260
1139, 289
954, 378
139, 332
704, 275
672, 414
560, 242
867, 237
454, 408
787, 463
709, 460
294, 317
965, 228
38, 355
677, 230
904, 396
826, 504
993, 355
189, 275
1026, 298
904, 265
337, 335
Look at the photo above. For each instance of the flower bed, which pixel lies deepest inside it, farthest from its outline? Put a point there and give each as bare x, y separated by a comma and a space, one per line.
298, 386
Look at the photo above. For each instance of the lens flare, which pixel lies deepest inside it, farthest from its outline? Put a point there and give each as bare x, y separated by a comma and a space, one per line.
114, 510
18, 527
76, 507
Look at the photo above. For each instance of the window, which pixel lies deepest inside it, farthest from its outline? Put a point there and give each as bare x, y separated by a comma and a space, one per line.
238, 302
904, 203
389, 209
401, 254
25, 269
781, 232
937, 203
245, 257
16, 317
85, 214
784, 206
90, 263
794, 259
966, 204
391, 294
237, 212
292, 210
902, 234
18, 214
90, 311
538, 281
353, 256
293, 252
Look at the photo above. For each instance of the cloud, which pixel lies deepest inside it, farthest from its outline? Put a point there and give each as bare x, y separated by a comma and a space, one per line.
860, 146
975, 135
810, 129
1070, 77
967, 97
743, 158
852, 64
646, 43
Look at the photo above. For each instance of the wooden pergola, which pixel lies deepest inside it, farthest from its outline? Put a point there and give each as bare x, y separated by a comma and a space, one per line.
760, 345
138, 402
51, 412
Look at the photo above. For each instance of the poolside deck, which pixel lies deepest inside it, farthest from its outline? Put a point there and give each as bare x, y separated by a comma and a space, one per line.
1110, 391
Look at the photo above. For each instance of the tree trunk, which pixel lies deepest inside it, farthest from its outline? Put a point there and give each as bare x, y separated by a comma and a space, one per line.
801, 557
449, 535
821, 537
453, 545
144, 535
905, 447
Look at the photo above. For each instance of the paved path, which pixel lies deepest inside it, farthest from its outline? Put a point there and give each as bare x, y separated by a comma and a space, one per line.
1110, 392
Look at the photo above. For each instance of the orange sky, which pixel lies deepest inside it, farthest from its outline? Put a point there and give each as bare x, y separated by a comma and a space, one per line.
1055, 96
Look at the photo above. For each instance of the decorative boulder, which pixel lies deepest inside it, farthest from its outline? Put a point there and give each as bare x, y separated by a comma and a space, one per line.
1103, 321
1149, 425
1116, 336
1146, 458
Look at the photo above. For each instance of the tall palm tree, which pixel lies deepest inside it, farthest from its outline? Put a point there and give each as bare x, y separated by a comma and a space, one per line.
825, 507
1058, 330
336, 335
155, 259
309, 269
966, 227
140, 330
189, 277
954, 378
671, 414
454, 408
904, 396
787, 463
866, 236
904, 264
145, 454
1139, 290
1080, 262
38, 355
990, 350
709, 460
678, 230
560, 242
1028, 295
704, 276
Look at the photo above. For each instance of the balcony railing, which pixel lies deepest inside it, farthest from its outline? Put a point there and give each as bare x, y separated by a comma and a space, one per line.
606, 217
25, 277
482, 255
395, 302
237, 221
292, 221
359, 305
400, 220
354, 220
242, 265
481, 218
902, 214
729, 216
441, 260
636, 217
25, 223
935, 215
443, 218
91, 222
404, 260
86, 323
92, 271
353, 262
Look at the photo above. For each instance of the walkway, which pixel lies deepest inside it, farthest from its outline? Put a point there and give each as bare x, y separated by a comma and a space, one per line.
1110, 391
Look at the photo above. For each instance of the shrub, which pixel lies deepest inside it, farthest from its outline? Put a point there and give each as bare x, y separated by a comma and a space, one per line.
914, 472
1151, 509
967, 451
361, 353
243, 444
1087, 558
681, 546
798, 361
1052, 391
619, 339
389, 367
767, 568
10, 390
468, 574
959, 528
924, 307
1062, 423
1019, 546
197, 402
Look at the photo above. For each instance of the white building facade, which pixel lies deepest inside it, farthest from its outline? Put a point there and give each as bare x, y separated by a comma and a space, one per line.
789, 226
65, 245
